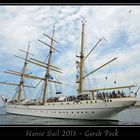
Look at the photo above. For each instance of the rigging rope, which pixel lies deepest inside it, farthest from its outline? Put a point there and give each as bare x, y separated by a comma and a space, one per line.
92, 80
39, 92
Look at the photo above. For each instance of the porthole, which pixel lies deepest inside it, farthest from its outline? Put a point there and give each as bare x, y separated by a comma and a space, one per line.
87, 102
110, 100
95, 101
90, 101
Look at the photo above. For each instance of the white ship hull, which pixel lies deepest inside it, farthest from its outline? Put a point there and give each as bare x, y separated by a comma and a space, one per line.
86, 110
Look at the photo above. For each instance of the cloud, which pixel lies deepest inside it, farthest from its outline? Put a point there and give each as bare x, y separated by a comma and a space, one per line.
20, 24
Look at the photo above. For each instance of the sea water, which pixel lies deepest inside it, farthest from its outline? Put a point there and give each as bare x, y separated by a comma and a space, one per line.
126, 117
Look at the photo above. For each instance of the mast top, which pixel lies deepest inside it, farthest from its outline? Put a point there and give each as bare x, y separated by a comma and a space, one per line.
83, 19
29, 43
53, 27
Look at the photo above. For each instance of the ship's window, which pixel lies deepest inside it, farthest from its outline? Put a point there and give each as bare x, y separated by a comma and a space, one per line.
92, 112
61, 104
81, 112
85, 111
48, 104
59, 112
77, 112
53, 104
87, 102
67, 112
71, 112
73, 102
105, 100
80, 102
110, 100
68, 103
95, 101
90, 101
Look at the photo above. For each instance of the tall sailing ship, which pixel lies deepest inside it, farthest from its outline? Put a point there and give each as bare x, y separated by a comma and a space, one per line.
91, 104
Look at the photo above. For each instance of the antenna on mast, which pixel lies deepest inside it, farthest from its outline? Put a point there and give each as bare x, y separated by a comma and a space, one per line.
83, 19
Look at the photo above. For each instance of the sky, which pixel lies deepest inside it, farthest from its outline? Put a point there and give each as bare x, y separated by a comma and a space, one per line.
119, 25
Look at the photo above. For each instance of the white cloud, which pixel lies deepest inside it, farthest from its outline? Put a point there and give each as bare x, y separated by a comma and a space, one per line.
20, 24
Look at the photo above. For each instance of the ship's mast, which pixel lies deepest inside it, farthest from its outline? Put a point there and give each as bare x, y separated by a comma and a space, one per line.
21, 84
81, 59
48, 69
47, 66
81, 64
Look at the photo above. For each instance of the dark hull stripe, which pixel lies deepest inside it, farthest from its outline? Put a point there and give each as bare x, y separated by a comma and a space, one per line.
73, 108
